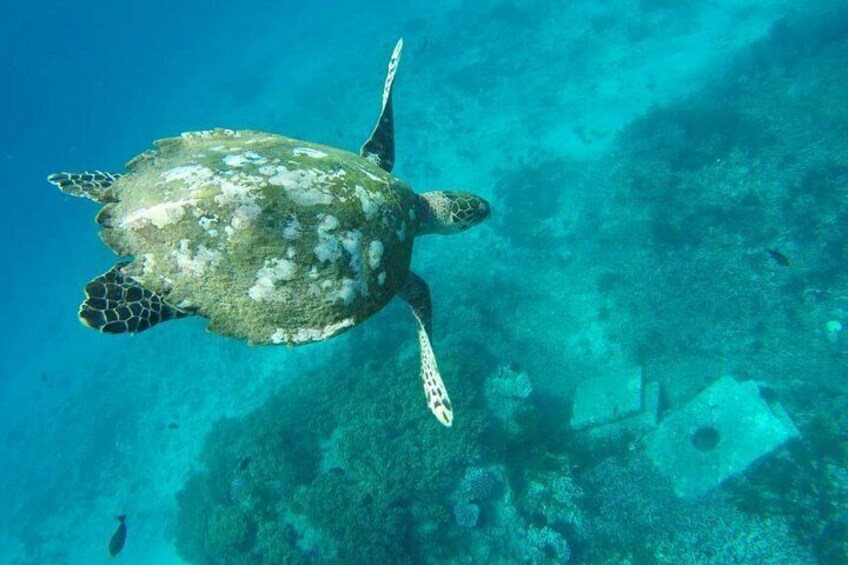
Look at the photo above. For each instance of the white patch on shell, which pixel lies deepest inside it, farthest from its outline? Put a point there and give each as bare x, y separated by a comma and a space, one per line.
401, 232
207, 223
328, 247
205, 134
244, 215
148, 263
371, 176
345, 291
160, 215
309, 152
303, 187
242, 159
375, 254
306, 335
241, 193
381, 278
279, 336
191, 175
292, 228
275, 271
195, 264
328, 222
238, 190
261, 139
370, 201
352, 243
411, 214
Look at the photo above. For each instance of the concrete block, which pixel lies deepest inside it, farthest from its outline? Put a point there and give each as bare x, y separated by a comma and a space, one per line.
717, 435
607, 399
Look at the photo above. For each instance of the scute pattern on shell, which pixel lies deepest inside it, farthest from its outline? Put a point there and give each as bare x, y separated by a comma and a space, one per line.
270, 238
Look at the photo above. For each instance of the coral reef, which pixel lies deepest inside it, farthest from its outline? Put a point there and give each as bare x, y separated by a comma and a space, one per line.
637, 514
466, 514
554, 498
547, 546
360, 477
507, 393
508, 526
478, 484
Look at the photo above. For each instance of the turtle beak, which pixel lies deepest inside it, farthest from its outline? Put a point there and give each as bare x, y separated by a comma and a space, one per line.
482, 212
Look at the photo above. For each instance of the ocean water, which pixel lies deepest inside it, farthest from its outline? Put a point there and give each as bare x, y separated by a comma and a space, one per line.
643, 345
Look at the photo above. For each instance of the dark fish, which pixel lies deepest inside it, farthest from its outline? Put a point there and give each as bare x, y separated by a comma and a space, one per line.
173, 426
116, 544
244, 464
779, 257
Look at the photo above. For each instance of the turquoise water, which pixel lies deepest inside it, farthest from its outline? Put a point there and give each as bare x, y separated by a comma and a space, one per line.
643, 345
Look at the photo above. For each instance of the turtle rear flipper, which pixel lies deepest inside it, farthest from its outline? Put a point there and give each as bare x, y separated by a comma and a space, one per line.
95, 185
116, 304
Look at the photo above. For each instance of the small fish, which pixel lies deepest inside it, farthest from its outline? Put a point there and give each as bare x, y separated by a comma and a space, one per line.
116, 544
239, 480
779, 257
236, 486
173, 426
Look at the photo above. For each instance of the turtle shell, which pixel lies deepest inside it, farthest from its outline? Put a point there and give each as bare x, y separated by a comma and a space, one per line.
274, 240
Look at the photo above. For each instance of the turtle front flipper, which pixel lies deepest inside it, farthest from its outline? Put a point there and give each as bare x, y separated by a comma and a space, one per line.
417, 294
380, 147
116, 304
95, 185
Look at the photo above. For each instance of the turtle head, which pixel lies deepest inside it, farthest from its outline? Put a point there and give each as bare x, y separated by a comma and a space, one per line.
448, 212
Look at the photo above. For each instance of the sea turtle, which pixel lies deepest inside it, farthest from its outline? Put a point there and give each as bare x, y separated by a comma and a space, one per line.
274, 240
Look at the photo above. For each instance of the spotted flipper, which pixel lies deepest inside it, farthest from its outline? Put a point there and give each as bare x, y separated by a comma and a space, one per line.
116, 304
380, 147
417, 295
95, 185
